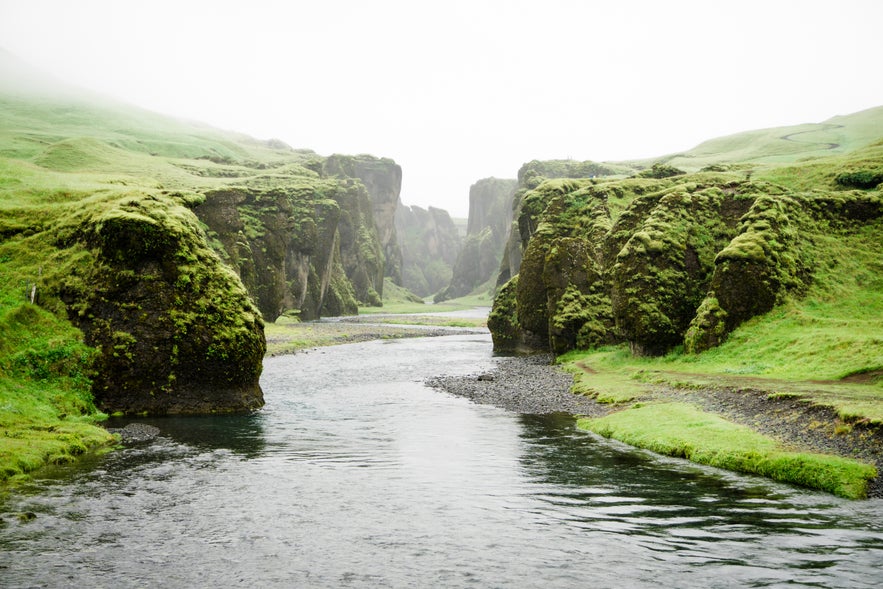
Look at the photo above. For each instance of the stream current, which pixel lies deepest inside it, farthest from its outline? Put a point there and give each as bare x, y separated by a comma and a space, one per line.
355, 474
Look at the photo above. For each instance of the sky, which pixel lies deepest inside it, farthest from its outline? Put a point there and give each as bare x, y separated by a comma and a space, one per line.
456, 91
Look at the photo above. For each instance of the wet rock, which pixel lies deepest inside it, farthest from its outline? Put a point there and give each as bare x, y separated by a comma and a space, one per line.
136, 433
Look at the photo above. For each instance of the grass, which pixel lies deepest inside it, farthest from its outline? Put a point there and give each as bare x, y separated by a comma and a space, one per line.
778, 145
63, 163
399, 307
682, 430
46, 410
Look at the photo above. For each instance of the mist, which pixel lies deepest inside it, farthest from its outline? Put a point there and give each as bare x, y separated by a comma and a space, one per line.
458, 91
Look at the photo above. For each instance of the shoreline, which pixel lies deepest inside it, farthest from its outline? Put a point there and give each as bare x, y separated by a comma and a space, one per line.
531, 384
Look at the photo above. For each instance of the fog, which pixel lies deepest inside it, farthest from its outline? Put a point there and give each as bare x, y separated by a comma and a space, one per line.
460, 90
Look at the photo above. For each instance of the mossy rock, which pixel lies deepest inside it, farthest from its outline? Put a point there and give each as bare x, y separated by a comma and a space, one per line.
503, 318
663, 271
763, 262
708, 329
576, 295
175, 330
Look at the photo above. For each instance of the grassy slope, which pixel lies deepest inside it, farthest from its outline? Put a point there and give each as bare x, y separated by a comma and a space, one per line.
835, 136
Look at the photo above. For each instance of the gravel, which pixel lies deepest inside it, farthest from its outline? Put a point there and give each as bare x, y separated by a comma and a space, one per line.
136, 433
523, 384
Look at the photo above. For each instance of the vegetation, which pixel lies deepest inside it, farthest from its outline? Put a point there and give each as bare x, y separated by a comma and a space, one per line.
681, 430
430, 242
750, 264
46, 410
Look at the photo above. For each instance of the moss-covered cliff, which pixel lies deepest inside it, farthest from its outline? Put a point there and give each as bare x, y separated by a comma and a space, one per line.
429, 242
382, 178
524, 216
165, 244
490, 215
664, 258
305, 239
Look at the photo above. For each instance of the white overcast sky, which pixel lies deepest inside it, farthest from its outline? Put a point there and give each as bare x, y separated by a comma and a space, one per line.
456, 91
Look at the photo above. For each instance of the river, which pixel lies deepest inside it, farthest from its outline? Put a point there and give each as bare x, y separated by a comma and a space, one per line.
355, 474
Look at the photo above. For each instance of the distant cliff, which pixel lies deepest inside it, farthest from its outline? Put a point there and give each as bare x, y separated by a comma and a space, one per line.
308, 242
664, 258
382, 178
429, 243
490, 216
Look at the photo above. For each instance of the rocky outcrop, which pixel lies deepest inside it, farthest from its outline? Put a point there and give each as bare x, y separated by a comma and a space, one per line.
660, 260
429, 242
174, 330
285, 245
490, 215
171, 302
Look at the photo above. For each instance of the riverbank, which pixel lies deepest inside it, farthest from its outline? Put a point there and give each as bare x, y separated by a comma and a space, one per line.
294, 337
783, 423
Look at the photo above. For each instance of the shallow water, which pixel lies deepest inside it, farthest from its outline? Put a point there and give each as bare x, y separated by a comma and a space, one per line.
357, 475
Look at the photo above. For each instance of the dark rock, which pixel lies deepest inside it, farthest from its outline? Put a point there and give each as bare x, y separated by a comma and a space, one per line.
136, 433
175, 329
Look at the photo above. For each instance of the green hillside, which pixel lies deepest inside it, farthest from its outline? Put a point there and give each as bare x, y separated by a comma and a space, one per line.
835, 136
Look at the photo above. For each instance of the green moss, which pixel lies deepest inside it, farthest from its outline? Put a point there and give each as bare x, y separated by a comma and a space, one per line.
863, 179
660, 170
47, 412
681, 430
502, 320
708, 328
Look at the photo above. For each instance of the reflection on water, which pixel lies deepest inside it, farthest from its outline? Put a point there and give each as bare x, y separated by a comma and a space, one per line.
242, 434
357, 475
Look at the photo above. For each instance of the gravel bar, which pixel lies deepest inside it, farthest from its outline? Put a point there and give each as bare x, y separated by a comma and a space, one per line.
523, 384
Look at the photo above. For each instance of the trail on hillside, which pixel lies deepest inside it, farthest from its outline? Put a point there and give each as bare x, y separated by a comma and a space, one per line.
822, 144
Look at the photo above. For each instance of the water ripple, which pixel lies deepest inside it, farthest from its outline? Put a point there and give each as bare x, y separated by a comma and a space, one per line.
356, 475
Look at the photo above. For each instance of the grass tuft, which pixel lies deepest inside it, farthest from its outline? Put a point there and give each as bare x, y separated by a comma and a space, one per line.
682, 430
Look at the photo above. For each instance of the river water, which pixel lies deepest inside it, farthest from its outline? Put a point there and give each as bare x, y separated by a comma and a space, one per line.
357, 475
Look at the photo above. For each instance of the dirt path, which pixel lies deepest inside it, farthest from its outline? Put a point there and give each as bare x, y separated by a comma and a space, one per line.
821, 144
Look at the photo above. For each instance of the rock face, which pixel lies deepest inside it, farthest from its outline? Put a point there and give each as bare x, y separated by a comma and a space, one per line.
660, 259
285, 246
429, 243
174, 329
490, 215
525, 215
382, 178
309, 243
